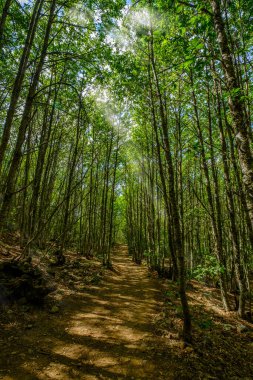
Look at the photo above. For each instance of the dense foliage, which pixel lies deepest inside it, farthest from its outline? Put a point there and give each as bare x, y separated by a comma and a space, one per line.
131, 122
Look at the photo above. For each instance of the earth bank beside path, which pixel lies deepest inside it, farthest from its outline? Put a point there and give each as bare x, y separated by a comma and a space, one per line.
104, 331
123, 323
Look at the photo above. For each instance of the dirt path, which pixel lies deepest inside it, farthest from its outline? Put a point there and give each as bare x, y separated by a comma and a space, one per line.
104, 332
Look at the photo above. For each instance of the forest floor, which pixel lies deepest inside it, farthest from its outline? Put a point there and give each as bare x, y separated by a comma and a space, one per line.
123, 323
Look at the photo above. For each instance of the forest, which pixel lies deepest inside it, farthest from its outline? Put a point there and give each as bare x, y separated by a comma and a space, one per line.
126, 189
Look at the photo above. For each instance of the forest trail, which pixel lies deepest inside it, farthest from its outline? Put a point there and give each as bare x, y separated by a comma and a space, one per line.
103, 333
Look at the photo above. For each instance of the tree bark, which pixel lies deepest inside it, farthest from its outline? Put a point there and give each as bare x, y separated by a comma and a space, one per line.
26, 118
236, 104
3, 21
19, 79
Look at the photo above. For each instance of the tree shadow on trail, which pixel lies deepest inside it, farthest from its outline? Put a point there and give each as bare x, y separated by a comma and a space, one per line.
105, 332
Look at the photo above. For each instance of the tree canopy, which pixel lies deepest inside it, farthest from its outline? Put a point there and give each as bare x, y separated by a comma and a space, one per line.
131, 122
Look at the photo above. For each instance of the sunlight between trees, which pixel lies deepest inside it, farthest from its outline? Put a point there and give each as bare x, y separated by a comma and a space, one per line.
131, 122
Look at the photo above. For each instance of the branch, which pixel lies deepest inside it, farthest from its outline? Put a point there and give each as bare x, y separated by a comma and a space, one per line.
202, 9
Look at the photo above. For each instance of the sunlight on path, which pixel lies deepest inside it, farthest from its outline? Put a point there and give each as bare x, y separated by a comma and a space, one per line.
105, 332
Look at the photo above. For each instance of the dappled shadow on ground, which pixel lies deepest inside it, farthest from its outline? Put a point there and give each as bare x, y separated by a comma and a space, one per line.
104, 332
125, 328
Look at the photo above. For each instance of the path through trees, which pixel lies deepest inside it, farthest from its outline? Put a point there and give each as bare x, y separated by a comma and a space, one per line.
131, 122
104, 333
121, 328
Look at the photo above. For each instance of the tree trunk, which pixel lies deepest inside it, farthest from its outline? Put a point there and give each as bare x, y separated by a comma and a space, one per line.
3, 21
178, 243
26, 118
19, 79
236, 104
